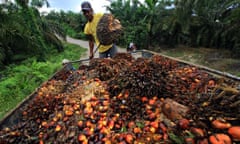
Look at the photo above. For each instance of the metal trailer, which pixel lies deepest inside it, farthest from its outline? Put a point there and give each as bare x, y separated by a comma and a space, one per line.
14, 116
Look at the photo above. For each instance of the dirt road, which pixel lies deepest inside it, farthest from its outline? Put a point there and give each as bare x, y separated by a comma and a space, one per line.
84, 44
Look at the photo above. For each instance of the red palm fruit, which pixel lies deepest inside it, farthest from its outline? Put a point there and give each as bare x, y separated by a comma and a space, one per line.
88, 110
106, 103
120, 96
24, 113
165, 136
234, 132
106, 96
59, 115
99, 125
114, 118
94, 103
118, 126
137, 130
85, 141
88, 131
151, 102
102, 122
218, 124
88, 104
41, 142
44, 124
82, 137
163, 127
83, 77
58, 128
220, 138
76, 106
129, 138
40, 135
146, 129
107, 141
146, 123
148, 138
152, 129
144, 99
88, 123
68, 112
126, 94
152, 116
154, 124
55, 119
104, 130
183, 123
197, 131
111, 124
157, 137
93, 98
211, 83
148, 111
148, 107
51, 123
65, 119
80, 123
131, 124
189, 140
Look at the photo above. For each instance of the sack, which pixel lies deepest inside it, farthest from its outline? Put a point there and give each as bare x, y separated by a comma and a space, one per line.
109, 29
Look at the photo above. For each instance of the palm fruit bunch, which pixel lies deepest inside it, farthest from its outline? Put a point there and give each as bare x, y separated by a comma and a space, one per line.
108, 29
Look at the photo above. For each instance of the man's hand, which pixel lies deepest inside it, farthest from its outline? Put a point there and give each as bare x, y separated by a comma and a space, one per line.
65, 61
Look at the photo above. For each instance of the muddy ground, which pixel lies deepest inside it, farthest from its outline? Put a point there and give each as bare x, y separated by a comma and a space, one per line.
214, 58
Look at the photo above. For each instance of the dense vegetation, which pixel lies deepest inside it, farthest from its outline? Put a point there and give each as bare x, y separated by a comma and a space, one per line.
25, 32
28, 37
207, 23
72, 23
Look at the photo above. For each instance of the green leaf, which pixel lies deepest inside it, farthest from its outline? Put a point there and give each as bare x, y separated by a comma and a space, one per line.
123, 129
176, 139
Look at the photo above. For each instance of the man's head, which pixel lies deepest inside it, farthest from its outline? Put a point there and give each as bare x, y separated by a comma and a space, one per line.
87, 10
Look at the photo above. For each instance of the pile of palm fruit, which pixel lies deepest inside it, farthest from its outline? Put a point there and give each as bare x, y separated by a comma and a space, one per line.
109, 29
131, 101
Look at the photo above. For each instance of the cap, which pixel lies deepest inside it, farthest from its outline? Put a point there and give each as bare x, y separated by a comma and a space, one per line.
86, 6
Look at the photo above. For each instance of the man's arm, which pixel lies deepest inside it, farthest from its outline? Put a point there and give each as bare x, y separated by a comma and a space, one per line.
91, 46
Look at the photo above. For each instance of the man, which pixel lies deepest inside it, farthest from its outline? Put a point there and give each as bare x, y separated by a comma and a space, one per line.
91, 31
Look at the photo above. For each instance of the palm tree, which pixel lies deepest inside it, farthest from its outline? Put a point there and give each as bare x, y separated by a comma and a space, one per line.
29, 15
143, 22
39, 3
210, 23
14, 36
24, 33
151, 13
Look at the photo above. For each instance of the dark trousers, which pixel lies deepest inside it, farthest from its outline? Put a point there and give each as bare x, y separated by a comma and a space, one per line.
109, 53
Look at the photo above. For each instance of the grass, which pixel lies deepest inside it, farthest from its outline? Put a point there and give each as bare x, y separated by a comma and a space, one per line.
21, 80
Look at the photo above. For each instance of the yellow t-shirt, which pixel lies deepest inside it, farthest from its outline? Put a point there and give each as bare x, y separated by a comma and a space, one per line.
91, 29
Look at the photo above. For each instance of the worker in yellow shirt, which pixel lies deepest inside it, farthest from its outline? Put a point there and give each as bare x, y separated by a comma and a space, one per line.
91, 31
